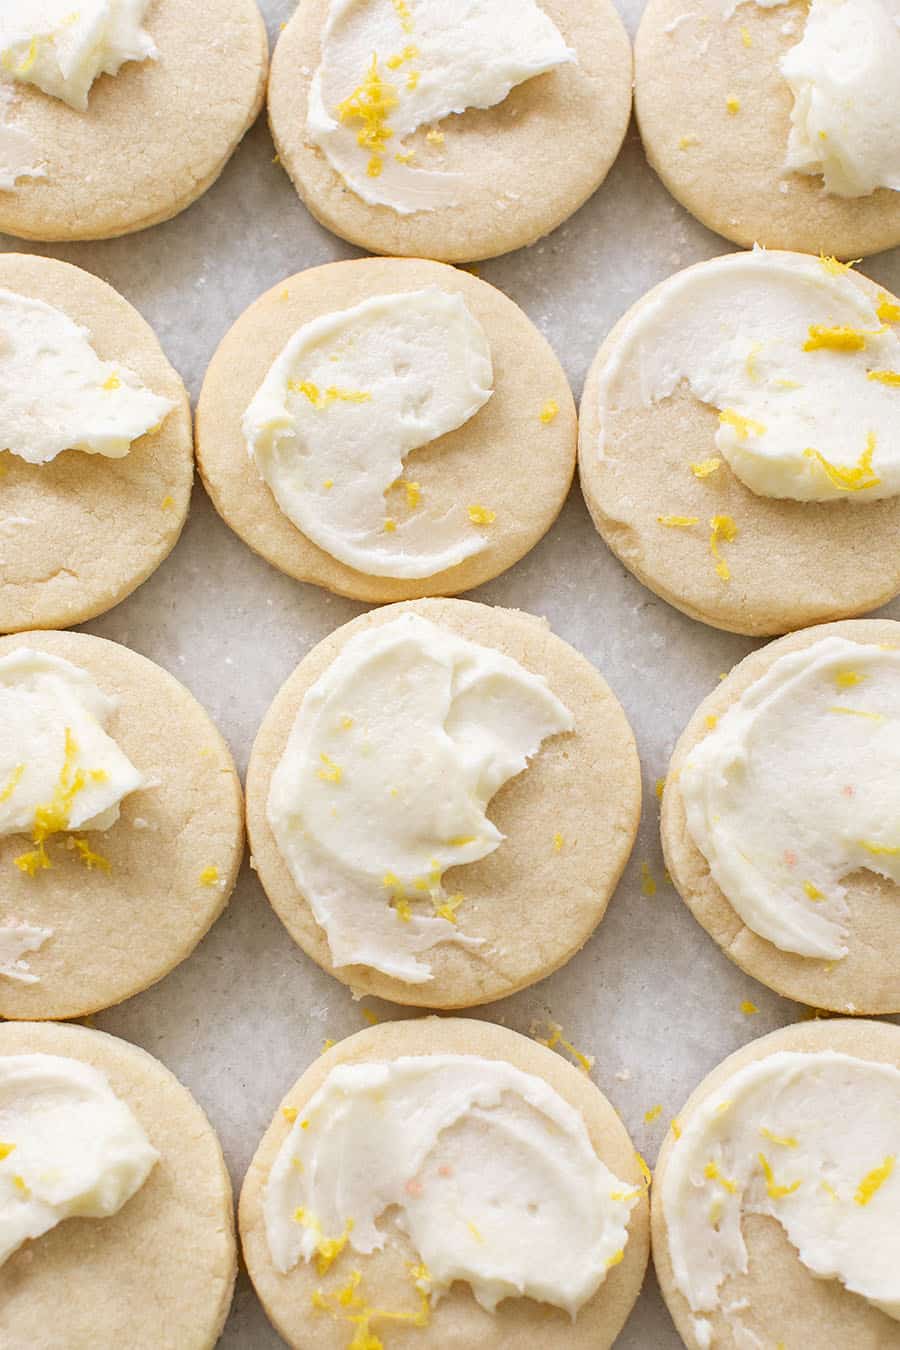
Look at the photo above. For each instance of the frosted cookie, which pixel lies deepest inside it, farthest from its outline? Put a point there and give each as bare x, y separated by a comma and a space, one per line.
776, 1199
519, 1212
120, 824
96, 451
440, 802
120, 114
739, 445
410, 128
791, 137
387, 429
115, 1206
777, 821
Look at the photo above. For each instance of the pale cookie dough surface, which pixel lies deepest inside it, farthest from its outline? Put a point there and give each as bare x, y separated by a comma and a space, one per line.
867, 979
159, 1274
533, 905
787, 1303
728, 169
458, 1322
154, 137
78, 535
529, 163
114, 934
504, 458
792, 564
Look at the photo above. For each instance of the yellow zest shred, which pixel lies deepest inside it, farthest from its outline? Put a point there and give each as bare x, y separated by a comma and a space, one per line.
413, 493
648, 881
749, 1009
405, 156
724, 531
12, 783
89, 858
330, 772
687, 141
880, 850
812, 892
857, 712
404, 15
556, 1037
434, 137
482, 515
841, 338
891, 377
447, 908
888, 310
549, 411
645, 1170
412, 79
873, 1181
677, 522
774, 1191
744, 426
27, 61
348, 1305
167, 503
290, 1113
390, 525
209, 876
712, 1173
53, 816
461, 840
371, 1017
371, 103
559, 842
711, 721
653, 1114
847, 679
746, 39
615, 1259
706, 467
408, 54
21, 1186
733, 104
785, 1140
660, 788
332, 394
833, 267
6, 1150
675, 1127
854, 477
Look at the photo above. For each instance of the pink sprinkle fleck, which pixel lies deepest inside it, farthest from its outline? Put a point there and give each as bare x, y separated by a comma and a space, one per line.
445, 1171
790, 857
848, 791
413, 1188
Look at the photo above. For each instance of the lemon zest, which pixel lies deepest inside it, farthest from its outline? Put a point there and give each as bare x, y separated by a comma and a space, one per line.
371, 103
841, 338
6, 1150
724, 531
857, 712
648, 881
749, 1009
812, 892
12, 783
290, 1113
833, 267
653, 1114
678, 522
404, 15
559, 842
746, 39
549, 411
434, 137
27, 61
873, 1181
854, 477
687, 141
744, 426
712, 1173
482, 515
733, 104
704, 468
330, 772
615, 1259
891, 377
556, 1037
785, 1140
846, 679
660, 788
888, 310
89, 858
774, 1191
209, 876
448, 907
880, 850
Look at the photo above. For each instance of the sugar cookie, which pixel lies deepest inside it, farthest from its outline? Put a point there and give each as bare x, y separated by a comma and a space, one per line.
485, 492
825, 1129
81, 531
161, 1271
507, 169
305, 1318
566, 823
97, 911
726, 428
807, 914
722, 144
152, 138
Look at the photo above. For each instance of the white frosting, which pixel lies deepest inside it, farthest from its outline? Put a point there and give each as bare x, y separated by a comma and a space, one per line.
488, 1172
390, 67
59, 770
737, 329
72, 1147
18, 152
63, 46
797, 786
843, 73
350, 396
55, 392
395, 753
809, 1139
16, 941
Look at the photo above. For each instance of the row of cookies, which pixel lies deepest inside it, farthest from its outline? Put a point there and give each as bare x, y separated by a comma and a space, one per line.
393, 428
411, 135
444, 1181
369, 788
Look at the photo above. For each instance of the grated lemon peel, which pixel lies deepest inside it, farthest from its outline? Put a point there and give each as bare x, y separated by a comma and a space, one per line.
704, 468
873, 1181
773, 1190
482, 515
556, 1038
549, 411
857, 477
723, 531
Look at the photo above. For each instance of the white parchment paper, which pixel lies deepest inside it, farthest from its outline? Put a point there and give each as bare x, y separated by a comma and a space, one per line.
651, 996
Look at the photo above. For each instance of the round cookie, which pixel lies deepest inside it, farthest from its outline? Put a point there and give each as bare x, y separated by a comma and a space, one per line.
727, 168
534, 904
866, 980
90, 529
787, 1304
457, 1321
528, 163
505, 456
792, 564
160, 1272
155, 136
116, 933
